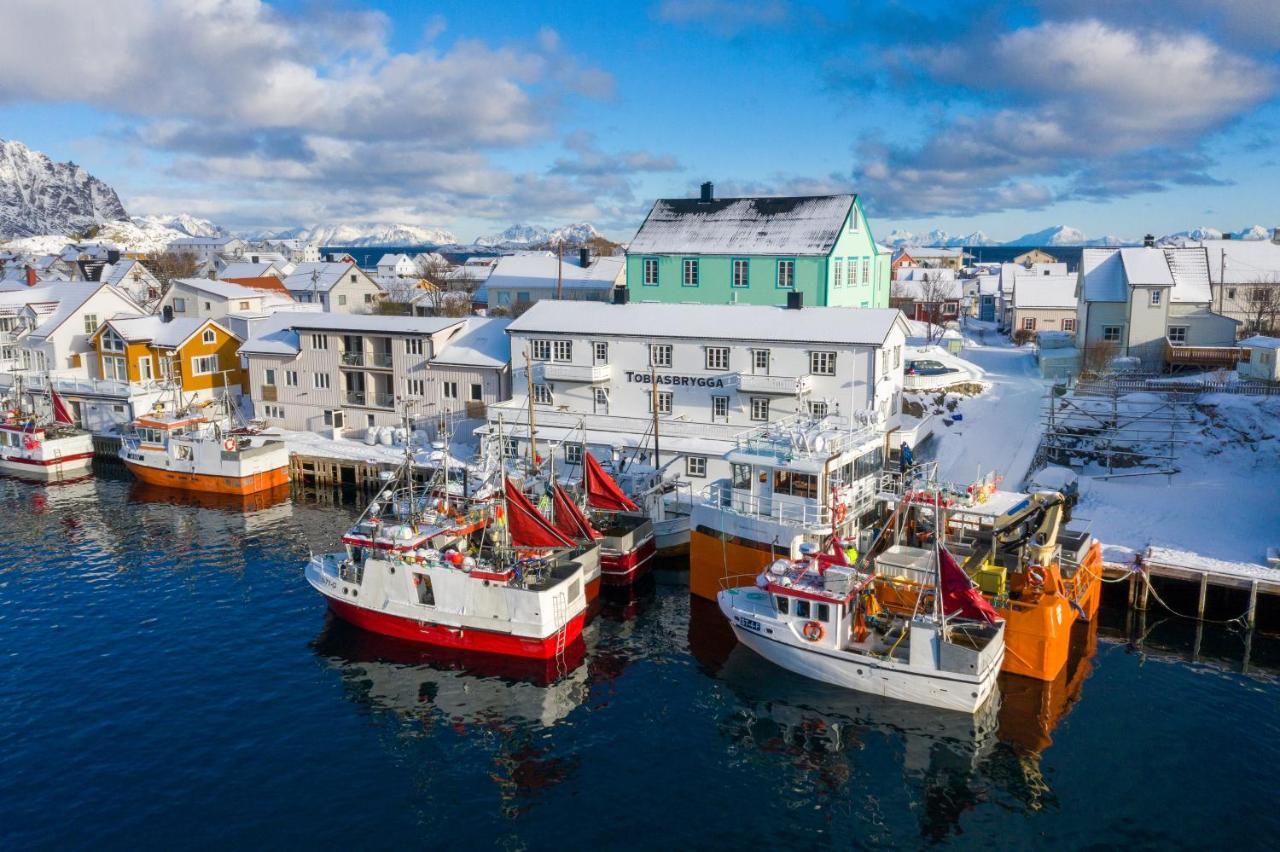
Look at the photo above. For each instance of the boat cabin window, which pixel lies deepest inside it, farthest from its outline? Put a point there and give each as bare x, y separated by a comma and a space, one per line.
869, 464
802, 609
742, 476
782, 604
151, 436
824, 612
795, 484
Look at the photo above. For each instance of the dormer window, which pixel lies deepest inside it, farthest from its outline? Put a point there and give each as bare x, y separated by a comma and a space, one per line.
112, 342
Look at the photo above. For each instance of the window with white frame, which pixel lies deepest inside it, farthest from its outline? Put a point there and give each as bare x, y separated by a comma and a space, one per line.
113, 367
415, 387
600, 352
269, 377
600, 400
786, 273
650, 274
818, 408
368, 298
665, 399
90, 323
477, 392
319, 341
144, 369
413, 346
695, 466
822, 363
1178, 335
690, 272
204, 365
741, 273
179, 305
853, 218
333, 418
209, 336
1069, 324
719, 408
112, 342
717, 357
562, 350
837, 272
342, 300
450, 390
291, 378
320, 380
573, 454
1112, 333
760, 361
759, 408
542, 394
1156, 295
660, 354
540, 350
1028, 323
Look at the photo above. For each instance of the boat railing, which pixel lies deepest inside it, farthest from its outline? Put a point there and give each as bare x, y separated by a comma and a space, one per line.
762, 605
802, 513
802, 436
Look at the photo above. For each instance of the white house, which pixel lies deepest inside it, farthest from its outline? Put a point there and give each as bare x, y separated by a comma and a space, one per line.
397, 266
208, 249
319, 371
1044, 303
205, 298
1136, 301
1259, 358
597, 370
530, 276
339, 286
1245, 275
135, 279
250, 269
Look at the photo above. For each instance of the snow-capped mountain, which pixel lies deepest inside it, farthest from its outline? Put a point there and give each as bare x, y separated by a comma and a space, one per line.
365, 235
1056, 235
183, 223
39, 196
523, 236
937, 237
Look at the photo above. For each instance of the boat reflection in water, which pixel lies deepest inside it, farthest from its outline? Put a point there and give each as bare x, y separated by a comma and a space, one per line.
507, 701
142, 492
834, 737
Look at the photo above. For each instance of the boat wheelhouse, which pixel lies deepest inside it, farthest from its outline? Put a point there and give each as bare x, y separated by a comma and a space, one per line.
188, 450
794, 482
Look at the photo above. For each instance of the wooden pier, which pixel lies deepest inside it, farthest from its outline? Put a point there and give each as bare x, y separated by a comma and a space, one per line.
311, 471
1201, 572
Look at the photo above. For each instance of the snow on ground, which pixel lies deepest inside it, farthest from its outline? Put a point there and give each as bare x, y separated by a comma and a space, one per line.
462, 448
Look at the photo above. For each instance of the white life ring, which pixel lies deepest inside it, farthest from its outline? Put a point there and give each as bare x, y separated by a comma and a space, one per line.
229, 445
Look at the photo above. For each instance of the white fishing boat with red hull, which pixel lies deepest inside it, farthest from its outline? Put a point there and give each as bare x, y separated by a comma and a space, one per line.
48, 447
627, 543
407, 572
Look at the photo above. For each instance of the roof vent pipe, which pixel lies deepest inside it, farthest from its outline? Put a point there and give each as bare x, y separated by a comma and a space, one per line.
708, 192
1149, 241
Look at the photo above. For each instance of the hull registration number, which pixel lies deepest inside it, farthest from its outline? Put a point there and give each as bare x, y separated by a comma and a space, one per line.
747, 623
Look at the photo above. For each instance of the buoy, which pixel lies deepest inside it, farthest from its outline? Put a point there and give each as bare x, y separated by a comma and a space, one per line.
229, 445
813, 631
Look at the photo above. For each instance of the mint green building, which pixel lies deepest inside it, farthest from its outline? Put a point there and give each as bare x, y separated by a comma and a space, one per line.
757, 250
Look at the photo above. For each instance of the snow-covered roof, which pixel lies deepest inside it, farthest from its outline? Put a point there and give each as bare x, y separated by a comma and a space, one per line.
804, 225
749, 323
919, 273
327, 274
231, 290
1145, 267
70, 298
913, 288
278, 334
393, 259
539, 271
1102, 271
1190, 270
167, 335
242, 269
922, 252
483, 343
1260, 341
1045, 291
125, 271
1242, 261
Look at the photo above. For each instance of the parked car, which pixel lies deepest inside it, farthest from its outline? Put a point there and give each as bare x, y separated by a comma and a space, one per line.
927, 367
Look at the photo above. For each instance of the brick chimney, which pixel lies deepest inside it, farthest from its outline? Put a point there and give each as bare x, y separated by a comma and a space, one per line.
32, 280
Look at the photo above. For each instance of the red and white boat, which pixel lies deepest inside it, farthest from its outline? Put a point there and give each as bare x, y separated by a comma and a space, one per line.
38, 446
627, 544
571, 536
406, 572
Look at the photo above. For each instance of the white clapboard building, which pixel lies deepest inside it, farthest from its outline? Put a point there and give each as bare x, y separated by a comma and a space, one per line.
597, 370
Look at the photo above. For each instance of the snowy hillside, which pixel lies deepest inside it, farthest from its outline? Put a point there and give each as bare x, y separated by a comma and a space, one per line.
523, 236
183, 223
365, 235
39, 196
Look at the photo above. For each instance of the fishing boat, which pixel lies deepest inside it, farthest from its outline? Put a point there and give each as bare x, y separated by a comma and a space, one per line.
796, 482
407, 572
570, 536
39, 445
818, 616
627, 543
1039, 577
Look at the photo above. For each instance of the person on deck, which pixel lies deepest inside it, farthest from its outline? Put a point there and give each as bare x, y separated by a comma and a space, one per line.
906, 458
851, 554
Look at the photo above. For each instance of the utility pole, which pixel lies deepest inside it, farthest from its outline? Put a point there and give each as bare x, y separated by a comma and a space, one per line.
560, 270
533, 446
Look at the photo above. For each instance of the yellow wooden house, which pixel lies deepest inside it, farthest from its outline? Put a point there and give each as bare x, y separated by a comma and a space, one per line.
199, 355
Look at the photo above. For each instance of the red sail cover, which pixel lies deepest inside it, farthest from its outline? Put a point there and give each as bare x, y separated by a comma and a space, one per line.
602, 491
528, 527
569, 518
60, 412
959, 594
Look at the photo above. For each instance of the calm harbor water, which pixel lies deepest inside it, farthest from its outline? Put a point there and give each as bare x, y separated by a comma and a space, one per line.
169, 679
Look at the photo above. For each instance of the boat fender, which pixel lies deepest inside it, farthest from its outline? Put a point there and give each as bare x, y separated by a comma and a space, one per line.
229, 445
813, 631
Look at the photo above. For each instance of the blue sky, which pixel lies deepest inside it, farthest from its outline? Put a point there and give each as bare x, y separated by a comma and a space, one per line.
1117, 118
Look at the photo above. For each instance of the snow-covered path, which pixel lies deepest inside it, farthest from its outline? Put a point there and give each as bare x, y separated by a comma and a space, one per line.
1000, 429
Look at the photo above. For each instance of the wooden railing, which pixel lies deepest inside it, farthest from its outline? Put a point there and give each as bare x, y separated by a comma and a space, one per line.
1200, 356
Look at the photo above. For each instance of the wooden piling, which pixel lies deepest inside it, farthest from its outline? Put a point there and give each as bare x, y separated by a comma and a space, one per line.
1251, 616
1144, 592
1204, 588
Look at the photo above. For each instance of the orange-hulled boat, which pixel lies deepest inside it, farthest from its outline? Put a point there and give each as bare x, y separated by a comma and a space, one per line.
191, 452
1040, 578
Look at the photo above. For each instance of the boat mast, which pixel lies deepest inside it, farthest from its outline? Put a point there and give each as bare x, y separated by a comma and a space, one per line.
533, 431
653, 403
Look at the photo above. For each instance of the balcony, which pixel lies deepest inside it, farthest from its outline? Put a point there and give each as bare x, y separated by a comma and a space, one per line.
364, 399
353, 359
357, 358
783, 385
356, 397
593, 374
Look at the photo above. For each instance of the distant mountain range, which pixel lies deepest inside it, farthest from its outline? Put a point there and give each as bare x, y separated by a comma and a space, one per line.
39, 196
524, 236
368, 234
1061, 235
